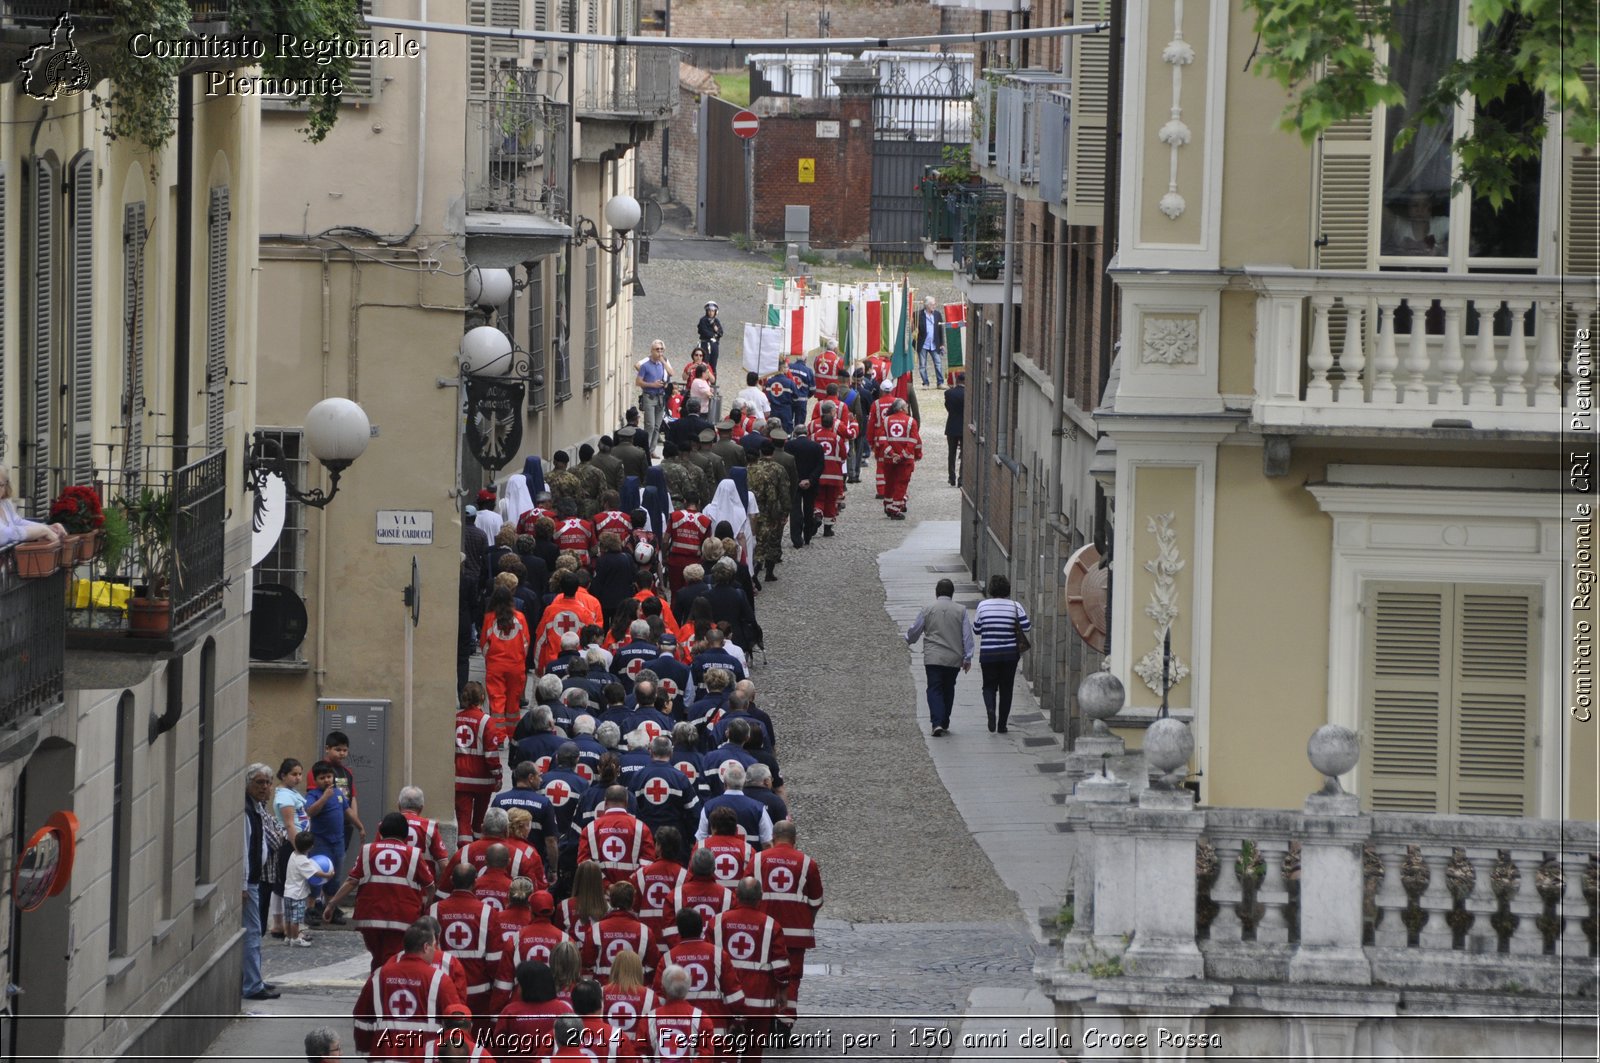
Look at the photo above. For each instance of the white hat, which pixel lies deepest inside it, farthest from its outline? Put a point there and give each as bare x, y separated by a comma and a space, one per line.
711, 306
643, 553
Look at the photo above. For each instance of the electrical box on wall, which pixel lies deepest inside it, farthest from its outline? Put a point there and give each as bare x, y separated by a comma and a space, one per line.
366, 722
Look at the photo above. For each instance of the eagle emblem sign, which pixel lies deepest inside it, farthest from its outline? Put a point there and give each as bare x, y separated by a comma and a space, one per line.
494, 421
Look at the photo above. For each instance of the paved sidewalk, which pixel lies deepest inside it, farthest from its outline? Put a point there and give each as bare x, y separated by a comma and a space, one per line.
1007, 787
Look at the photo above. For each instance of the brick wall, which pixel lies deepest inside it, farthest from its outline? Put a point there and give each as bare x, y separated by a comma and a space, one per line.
683, 151
841, 196
847, 18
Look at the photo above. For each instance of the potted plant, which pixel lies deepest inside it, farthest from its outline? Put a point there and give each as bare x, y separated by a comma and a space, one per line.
78, 510
38, 558
151, 518
117, 537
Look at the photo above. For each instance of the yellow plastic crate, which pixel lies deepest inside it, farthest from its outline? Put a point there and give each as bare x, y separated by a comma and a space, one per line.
104, 595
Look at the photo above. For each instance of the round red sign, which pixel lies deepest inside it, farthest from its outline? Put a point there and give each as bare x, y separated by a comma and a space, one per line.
745, 124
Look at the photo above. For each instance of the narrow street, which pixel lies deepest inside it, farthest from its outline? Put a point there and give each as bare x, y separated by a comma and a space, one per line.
918, 923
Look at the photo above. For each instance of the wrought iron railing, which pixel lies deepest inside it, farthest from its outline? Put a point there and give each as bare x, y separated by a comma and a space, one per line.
517, 148
1017, 122
978, 239
97, 592
627, 81
93, 12
940, 203
33, 629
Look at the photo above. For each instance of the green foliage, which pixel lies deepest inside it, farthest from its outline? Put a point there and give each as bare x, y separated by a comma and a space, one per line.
955, 165
309, 20
1097, 964
152, 517
1327, 55
144, 96
118, 537
733, 86
1066, 918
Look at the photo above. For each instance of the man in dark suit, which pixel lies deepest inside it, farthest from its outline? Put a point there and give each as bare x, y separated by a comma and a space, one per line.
808, 460
955, 416
730, 606
930, 340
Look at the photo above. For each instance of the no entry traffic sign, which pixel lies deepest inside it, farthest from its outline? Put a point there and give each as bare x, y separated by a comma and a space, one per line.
745, 124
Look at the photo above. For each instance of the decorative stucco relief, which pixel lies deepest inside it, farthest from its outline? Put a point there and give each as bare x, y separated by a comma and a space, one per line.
1163, 606
1170, 341
1176, 133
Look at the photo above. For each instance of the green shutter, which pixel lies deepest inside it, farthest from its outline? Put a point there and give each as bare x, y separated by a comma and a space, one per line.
1405, 672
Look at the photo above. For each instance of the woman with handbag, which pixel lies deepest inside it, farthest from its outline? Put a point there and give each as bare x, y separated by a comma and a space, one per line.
1001, 626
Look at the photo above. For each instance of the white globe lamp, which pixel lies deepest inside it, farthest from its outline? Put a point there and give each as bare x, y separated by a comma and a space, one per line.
623, 213
488, 288
337, 432
486, 351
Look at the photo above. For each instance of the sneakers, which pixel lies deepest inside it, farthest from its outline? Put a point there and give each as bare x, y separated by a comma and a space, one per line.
938, 732
301, 942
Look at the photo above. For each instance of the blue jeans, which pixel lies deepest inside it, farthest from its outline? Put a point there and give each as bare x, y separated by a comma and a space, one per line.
925, 353
941, 692
250, 967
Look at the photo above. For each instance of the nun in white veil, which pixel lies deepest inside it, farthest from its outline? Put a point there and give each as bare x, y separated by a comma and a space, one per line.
515, 499
727, 505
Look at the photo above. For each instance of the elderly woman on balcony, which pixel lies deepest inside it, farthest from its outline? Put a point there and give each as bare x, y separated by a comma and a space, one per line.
14, 527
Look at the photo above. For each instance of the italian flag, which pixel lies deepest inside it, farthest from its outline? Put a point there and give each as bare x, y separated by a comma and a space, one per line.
955, 331
900, 362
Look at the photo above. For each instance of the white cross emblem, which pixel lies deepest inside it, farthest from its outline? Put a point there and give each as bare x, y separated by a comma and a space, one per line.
387, 861
585, 772
897, 428
672, 1043
543, 764
464, 736
727, 866
458, 935
706, 909
781, 879
670, 687
614, 948
538, 951
402, 1004
492, 902
565, 621
635, 666
687, 769
558, 792
741, 946
613, 848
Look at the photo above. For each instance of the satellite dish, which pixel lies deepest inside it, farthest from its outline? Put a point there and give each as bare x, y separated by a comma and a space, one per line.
266, 520
1087, 581
277, 622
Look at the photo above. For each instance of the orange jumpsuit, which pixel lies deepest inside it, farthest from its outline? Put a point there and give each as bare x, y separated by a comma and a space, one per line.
505, 666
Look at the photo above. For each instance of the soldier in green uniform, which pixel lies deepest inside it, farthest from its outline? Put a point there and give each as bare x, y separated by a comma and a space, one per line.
710, 461
608, 463
593, 480
562, 481
770, 484
731, 453
685, 483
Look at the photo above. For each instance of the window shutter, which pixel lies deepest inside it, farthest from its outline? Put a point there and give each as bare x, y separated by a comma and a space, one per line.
217, 319
591, 16
537, 396
133, 239
4, 367
82, 303
362, 84
1495, 665
1580, 206
1346, 188
1405, 666
505, 51
43, 345
485, 55
1091, 88
478, 49
541, 15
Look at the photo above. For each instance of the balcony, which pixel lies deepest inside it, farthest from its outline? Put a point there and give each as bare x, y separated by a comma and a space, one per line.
984, 95
976, 219
1055, 138
1019, 120
32, 642
626, 83
189, 508
1348, 350
518, 146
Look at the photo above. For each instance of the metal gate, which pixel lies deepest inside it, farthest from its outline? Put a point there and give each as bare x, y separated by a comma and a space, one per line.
912, 124
722, 188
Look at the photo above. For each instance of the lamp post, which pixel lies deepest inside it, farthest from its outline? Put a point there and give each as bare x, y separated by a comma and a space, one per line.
336, 432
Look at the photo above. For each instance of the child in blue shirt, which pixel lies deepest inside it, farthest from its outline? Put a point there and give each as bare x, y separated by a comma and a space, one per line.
327, 827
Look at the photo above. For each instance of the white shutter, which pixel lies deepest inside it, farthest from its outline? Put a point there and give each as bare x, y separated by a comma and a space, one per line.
5, 368
1346, 189
133, 239
1405, 668
81, 301
505, 51
1494, 670
1089, 113
485, 55
538, 351
43, 337
478, 49
1580, 205
591, 319
217, 319
361, 83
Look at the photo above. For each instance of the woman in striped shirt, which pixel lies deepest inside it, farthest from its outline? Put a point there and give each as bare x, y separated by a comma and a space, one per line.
996, 625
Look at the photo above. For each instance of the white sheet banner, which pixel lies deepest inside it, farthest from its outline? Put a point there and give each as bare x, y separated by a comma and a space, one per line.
763, 347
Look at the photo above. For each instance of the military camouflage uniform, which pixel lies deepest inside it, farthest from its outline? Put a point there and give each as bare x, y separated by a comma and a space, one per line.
770, 484
685, 483
564, 484
594, 484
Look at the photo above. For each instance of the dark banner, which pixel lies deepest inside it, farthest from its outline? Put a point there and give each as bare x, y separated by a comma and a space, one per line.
494, 421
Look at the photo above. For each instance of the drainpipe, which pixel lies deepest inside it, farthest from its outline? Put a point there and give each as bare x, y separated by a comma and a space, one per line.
1058, 341
1007, 312
320, 673
184, 265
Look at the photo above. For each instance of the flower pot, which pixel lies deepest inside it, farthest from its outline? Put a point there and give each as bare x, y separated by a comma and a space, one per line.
77, 543
89, 545
38, 558
149, 618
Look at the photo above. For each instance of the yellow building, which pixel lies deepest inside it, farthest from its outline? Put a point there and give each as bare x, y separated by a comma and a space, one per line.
455, 154
1339, 405
127, 361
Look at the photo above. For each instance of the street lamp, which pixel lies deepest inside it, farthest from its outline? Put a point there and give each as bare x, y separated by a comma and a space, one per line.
622, 214
489, 288
336, 433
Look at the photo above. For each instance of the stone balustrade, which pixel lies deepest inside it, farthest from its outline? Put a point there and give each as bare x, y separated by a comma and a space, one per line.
1345, 349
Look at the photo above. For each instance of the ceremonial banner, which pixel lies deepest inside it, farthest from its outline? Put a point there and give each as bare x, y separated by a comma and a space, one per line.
763, 348
900, 362
494, 420
955, 334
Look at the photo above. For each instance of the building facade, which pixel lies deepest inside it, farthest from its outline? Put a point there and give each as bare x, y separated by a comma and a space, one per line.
473, 153
1329, 434
127, 356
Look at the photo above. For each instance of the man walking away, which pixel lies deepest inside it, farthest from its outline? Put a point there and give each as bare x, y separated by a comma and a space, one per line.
947, 629
955, 416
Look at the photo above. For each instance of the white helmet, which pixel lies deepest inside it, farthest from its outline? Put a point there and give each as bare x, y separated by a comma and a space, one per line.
644, 553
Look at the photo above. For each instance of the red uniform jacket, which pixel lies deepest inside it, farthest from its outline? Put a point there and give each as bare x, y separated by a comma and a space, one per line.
686, 530
713, 983
901, 439
760, 955
875, 419
476, 741
679, 1031
577, 535
666, 607
567, 919
828, 369
653, 884
625, 1009
835, 446
493, 888
507, 923
465, 932
618, 842
526, 522
399, 1006
425, 836
614, 520
601, 1042
505, 649
791, 891
536, 941
393, 876
525, 859
564, 615
525, 1033
618, 931
705, 895
733, 855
